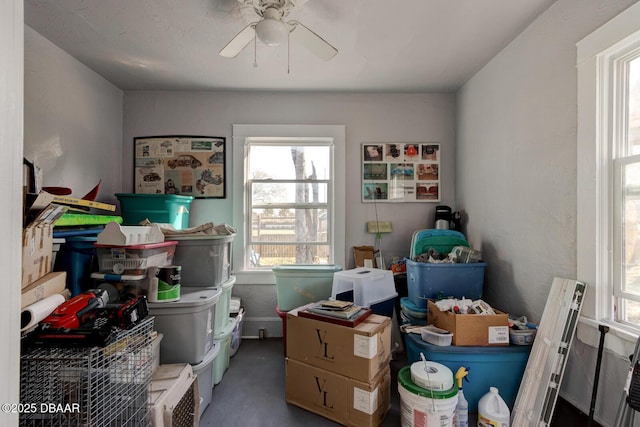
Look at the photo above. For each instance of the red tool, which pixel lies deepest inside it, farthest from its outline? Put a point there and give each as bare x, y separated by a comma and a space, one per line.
77, 312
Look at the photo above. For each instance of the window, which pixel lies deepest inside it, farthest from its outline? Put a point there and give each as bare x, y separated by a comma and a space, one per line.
288, 195
626, 185
608, 243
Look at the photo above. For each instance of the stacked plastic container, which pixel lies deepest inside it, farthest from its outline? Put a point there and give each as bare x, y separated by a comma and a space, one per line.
427, 280
128, 258
206, 266
299, 284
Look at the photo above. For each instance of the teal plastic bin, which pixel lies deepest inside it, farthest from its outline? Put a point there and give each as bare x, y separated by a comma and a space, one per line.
501, 367
298, 285
162, 208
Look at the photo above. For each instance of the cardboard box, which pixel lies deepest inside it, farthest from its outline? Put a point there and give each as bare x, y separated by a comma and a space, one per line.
52, 283
471, 329
336, 397
37, 241
359, 353
37, 250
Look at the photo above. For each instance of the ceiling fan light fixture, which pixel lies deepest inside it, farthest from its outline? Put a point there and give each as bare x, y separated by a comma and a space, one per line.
272, 32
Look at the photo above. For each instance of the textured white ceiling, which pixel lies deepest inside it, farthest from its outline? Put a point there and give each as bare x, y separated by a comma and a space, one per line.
400, 45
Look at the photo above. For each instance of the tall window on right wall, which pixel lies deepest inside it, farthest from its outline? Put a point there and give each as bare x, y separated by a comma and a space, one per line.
608, 238
625, 141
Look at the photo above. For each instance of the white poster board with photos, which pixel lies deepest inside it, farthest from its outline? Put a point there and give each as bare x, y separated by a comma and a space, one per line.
400, 172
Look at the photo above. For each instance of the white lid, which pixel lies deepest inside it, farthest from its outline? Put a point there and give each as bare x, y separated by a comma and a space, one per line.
431, 375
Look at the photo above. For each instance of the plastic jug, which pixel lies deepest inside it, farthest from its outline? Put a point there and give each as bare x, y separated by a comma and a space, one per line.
492, 410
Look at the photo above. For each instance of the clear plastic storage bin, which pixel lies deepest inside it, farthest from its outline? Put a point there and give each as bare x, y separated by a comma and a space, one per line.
187, 325
205, 260
134, 259
298, 285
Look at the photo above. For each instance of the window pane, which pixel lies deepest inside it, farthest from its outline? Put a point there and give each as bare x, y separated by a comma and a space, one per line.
280, 161
268, 192
629, 311
289, 225
631, 229
634, 106
270, 255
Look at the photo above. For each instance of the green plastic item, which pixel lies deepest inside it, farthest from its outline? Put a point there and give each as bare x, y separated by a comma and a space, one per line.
70, 219
442, 241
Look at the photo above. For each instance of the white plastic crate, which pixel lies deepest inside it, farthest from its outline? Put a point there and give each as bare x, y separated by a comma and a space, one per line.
174, 399
124, 235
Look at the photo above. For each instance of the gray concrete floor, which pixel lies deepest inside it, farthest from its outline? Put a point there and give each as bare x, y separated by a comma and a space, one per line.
252, 391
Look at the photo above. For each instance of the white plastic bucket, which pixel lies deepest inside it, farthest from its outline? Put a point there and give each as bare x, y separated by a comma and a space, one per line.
492, 410
418, 410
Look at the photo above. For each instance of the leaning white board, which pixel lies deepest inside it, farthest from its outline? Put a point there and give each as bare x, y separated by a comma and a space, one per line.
543, 375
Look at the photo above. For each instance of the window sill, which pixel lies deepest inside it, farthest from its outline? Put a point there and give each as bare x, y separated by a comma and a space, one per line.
619, 340
246, 277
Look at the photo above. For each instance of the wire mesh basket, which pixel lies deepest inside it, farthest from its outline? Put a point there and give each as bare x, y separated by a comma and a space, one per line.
91, 386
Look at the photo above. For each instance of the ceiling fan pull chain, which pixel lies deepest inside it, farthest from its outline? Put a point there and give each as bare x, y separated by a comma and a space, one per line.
289, 52
255, 49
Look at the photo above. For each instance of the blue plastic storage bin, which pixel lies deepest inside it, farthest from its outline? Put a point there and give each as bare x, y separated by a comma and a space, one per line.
162, 208
433, 280
501, 367
77, 256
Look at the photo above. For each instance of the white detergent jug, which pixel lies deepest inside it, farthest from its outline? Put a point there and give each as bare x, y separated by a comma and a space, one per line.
492, 410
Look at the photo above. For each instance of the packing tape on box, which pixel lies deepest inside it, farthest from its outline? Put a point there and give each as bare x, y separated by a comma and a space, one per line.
34, 313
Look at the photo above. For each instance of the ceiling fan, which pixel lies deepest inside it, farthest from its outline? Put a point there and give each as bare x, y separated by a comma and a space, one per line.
273, 30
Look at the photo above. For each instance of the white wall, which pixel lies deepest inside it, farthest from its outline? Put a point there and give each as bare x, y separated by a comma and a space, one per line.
11, 118
516, 176
73, 121
368, 117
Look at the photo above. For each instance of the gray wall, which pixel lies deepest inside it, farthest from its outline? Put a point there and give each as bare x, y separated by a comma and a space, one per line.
73, 121
516, 176
368, 117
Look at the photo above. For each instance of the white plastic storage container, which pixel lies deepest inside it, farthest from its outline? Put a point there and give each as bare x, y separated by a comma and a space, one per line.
366, 287
187, 325
298, 285
221, 364
223, 309
204, 372
205, 260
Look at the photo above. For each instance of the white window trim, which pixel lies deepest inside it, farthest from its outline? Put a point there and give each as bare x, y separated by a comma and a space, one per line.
240, 134
593, 241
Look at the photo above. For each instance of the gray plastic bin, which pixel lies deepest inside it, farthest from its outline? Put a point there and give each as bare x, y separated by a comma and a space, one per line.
186, 325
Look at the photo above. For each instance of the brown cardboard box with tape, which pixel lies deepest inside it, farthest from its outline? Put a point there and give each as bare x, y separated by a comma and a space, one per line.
345, 400
471, 329
360, 352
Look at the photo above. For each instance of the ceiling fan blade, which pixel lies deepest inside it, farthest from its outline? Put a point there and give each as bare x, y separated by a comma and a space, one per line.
316, 44
239, 42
